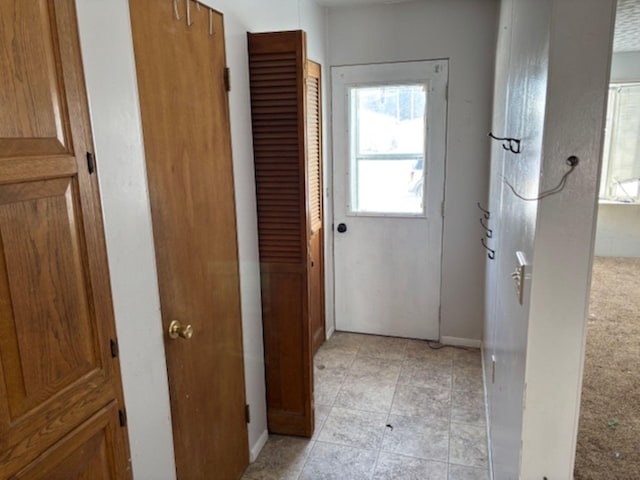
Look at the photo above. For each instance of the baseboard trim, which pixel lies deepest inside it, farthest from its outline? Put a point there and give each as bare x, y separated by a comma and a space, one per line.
329, 333
257, 448
461, 342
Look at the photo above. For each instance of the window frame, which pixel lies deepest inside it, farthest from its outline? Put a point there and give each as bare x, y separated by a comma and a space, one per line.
353, 147
613, 105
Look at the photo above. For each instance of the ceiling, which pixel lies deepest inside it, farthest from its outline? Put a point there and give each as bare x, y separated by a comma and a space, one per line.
627, 34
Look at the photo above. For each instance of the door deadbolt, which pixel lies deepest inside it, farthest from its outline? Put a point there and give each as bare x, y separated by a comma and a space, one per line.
342, 227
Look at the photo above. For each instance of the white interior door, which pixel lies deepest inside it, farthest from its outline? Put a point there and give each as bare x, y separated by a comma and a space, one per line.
389, 132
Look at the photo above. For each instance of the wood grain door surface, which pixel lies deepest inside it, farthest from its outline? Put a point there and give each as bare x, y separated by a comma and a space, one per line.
315, 208
60, 391
185, 121
277, 68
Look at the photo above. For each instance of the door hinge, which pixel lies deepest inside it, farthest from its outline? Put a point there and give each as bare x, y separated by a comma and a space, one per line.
114, 348
247, 413
227, 79
91, 163
122, 415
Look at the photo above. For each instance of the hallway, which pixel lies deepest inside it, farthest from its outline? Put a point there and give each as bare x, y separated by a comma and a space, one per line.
387, 408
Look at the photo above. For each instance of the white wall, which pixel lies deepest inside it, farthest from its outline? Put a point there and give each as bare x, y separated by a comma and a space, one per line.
552, 62
107, 51
520, 89
618, 232
464, 32
111, 84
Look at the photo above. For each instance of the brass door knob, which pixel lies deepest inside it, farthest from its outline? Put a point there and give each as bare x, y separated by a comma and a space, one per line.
176, 329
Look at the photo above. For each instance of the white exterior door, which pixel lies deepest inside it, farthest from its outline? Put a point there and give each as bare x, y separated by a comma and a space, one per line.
389, 132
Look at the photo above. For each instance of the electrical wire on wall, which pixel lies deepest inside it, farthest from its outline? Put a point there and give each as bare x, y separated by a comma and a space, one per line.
572, 162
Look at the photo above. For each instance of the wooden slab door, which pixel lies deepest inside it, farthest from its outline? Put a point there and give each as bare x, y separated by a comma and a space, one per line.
180, 60
61, 405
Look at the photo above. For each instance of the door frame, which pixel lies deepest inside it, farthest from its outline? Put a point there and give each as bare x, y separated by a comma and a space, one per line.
330, 271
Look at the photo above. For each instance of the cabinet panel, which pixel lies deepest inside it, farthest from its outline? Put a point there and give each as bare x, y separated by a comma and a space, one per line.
86, 454
56, 319
34, 119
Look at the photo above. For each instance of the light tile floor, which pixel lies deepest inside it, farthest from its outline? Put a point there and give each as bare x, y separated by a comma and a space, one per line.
387, 409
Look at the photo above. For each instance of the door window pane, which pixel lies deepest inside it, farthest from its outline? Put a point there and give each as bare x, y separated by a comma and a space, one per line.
387, 149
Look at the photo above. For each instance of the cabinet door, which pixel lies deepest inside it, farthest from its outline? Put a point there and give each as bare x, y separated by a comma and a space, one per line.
56, 319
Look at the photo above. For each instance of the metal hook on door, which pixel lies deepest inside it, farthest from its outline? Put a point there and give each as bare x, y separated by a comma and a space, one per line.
211, 32
176, 10
491, 253
189, 22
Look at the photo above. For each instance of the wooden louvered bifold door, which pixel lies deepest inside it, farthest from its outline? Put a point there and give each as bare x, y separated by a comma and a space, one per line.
314, 197
276, 67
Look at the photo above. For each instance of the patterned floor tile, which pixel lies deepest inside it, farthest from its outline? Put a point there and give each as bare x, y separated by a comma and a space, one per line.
367, 395
468, 407
421, 374
335, 462
459, 472
396, 467
390, 348
374, 369
468, 445
354, 428
415, 401
417, 437
282, 458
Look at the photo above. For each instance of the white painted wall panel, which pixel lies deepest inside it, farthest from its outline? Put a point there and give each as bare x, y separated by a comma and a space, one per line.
521, 78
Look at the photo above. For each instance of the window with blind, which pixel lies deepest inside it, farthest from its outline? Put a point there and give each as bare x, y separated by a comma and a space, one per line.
620, 180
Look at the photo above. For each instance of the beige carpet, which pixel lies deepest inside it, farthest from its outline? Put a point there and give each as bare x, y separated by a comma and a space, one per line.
609, 431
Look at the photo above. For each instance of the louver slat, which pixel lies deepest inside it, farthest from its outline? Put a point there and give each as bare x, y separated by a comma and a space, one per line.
314, 147
277, 149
